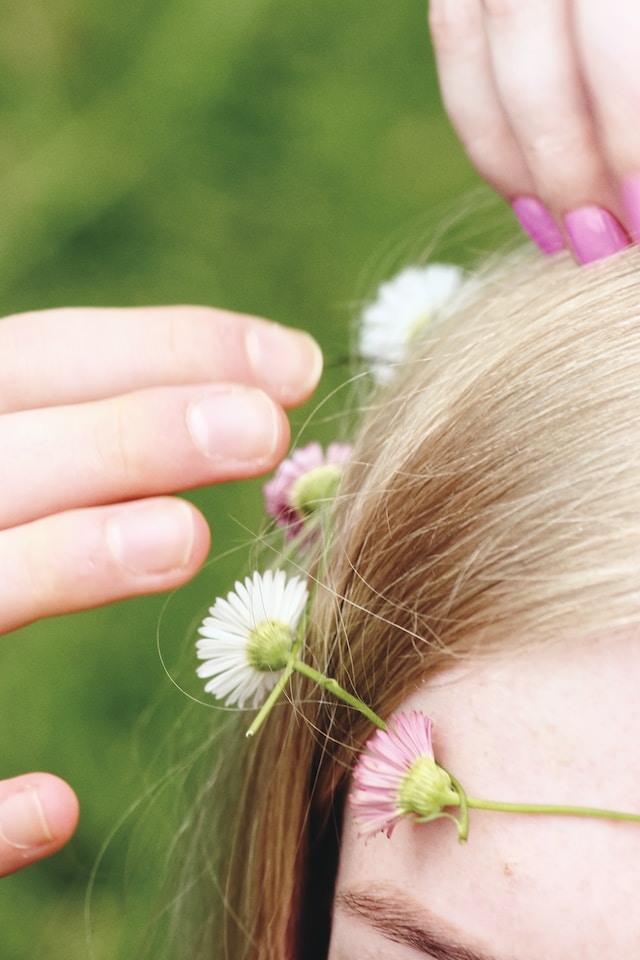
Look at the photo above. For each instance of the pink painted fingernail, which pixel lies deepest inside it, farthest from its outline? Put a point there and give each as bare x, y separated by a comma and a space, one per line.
594, 234
631, 200
537, 222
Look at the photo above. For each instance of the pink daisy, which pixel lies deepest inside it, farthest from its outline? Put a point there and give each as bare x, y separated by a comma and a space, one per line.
397, 776
306, 478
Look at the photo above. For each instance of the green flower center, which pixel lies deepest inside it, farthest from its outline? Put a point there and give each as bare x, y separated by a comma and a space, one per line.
269, 646
315, 487
418, 325
426, 789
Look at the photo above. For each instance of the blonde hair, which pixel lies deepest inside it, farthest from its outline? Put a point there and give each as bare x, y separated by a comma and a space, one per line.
492, 499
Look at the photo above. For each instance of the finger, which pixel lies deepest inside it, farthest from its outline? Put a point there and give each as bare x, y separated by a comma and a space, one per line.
72, 355
471, 98
85, 558
151, 442
38, 815
539, 80
609, 46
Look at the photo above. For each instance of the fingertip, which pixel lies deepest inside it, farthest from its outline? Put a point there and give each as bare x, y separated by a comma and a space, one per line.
287, 363
631, 201
594, 234
199, 548
38, 815
60, 807
201, 539
538, 224
156, 537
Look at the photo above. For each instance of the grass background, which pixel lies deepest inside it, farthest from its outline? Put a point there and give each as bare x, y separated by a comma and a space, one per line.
277, 157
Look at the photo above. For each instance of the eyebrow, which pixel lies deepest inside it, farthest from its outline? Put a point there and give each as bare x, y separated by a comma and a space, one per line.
402, 921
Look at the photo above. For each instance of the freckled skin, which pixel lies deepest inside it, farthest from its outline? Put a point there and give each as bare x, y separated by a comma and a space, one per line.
555, 724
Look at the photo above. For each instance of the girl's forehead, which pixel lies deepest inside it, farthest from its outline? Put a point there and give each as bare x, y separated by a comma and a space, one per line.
556, 724
540, 717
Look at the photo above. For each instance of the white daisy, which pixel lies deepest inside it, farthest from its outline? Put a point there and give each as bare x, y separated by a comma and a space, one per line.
402, 307
246, 640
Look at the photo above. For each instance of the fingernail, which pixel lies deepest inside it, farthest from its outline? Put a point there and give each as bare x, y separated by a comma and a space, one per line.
235, 424
23, 824
287, 362
594, 234
631, 201
151, 537
537, 222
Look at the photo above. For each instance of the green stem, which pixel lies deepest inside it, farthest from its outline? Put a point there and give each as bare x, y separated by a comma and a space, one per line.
474, 803
265, 709
462, 821
557, 809
333, 687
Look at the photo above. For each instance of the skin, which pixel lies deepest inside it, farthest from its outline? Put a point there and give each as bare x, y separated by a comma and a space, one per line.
556, 724
103, 413
543, 94
102, 396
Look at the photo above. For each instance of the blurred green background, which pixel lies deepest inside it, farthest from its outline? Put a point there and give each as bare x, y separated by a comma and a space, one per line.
276, 157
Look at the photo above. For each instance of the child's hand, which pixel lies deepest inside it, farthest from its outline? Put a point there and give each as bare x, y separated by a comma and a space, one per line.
545, 95
102, 414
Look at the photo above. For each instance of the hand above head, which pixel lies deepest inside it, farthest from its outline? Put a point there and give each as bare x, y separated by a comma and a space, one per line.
103, 413
545, 96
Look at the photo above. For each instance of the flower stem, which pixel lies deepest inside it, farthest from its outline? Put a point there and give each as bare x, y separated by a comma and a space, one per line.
462, 822
549, 808
266, 707
474, 803
333, 687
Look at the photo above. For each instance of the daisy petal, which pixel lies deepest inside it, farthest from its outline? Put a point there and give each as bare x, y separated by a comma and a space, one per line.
264, 605
401, 308
304, 469
397, 776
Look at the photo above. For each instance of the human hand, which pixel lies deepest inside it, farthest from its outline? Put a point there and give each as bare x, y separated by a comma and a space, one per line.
102, 414
545, 96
